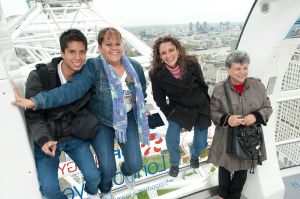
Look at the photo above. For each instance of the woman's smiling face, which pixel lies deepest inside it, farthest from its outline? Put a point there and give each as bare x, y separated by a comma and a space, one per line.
112, 48
169, 54
238, 73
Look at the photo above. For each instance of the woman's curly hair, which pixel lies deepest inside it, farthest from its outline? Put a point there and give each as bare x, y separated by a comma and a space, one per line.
183, 58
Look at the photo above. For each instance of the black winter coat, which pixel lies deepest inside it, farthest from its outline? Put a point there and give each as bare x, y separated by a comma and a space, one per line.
55, 123
188, 99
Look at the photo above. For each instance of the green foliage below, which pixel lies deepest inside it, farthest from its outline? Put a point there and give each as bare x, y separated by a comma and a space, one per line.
190, 46
143, 195
161, 192
204, 153
158, 159
132, 53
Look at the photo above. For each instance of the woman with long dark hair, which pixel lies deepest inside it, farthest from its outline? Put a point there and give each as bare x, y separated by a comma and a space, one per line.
178, 77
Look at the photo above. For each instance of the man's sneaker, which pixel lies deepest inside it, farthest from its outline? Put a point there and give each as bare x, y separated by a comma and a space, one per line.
107, 195
96, 196
194, 163
129, 181
174, 170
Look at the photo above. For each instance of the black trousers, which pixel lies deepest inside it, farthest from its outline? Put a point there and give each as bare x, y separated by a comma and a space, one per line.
230, 187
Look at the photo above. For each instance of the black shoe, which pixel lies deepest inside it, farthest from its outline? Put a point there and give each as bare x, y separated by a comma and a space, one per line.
194, 163
174, 170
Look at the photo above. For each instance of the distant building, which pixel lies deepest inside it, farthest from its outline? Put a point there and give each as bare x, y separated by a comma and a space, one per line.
205, 27
198, 27
227, 25
191, 27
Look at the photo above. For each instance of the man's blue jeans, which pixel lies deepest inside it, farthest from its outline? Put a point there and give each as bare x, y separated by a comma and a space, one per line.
103, 144
47, 167
173, 140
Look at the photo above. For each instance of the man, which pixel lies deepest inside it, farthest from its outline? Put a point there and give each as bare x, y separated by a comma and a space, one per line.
51, 129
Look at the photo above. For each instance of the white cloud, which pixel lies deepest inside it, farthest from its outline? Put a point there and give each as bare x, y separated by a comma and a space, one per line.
144, 12
13, 7
138, 12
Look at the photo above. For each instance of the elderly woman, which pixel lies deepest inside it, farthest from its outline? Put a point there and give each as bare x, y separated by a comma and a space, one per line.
118, 100
251, 105
178, 76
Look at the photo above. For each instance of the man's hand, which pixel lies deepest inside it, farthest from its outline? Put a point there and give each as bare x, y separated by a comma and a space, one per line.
49, 148
21, 101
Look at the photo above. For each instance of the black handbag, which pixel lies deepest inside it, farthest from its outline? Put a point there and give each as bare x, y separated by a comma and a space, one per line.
245, 142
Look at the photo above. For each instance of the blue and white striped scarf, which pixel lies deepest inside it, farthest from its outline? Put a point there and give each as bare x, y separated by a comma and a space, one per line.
119, 108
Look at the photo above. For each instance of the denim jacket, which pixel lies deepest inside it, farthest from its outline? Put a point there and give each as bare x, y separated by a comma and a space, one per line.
92, 75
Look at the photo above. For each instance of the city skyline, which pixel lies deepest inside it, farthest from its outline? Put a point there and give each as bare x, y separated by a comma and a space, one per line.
137, 13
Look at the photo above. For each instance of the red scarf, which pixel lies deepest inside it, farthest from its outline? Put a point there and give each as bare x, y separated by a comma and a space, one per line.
239, 88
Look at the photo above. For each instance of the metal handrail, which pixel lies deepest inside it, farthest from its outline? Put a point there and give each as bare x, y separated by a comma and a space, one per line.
287, 142
154, 177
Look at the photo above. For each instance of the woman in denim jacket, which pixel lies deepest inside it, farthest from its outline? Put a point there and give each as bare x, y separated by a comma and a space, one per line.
119, 87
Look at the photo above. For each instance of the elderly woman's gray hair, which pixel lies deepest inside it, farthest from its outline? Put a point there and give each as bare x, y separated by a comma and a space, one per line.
237, 56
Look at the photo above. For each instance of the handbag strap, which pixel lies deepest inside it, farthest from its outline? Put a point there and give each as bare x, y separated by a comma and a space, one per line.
228, 99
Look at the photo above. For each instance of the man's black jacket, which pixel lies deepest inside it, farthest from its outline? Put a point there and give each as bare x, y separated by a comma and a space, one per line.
50, 124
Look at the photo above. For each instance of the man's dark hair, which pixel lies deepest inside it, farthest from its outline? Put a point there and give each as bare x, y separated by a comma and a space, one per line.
71, 35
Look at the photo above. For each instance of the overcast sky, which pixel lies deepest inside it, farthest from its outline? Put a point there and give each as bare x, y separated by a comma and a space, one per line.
149, 12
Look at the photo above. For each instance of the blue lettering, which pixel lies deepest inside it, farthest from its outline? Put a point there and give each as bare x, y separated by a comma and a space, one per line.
156, 167
137, 175
118, 153
151, 168
119, 176
164, 163
81, 193
145, 170
71, 192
